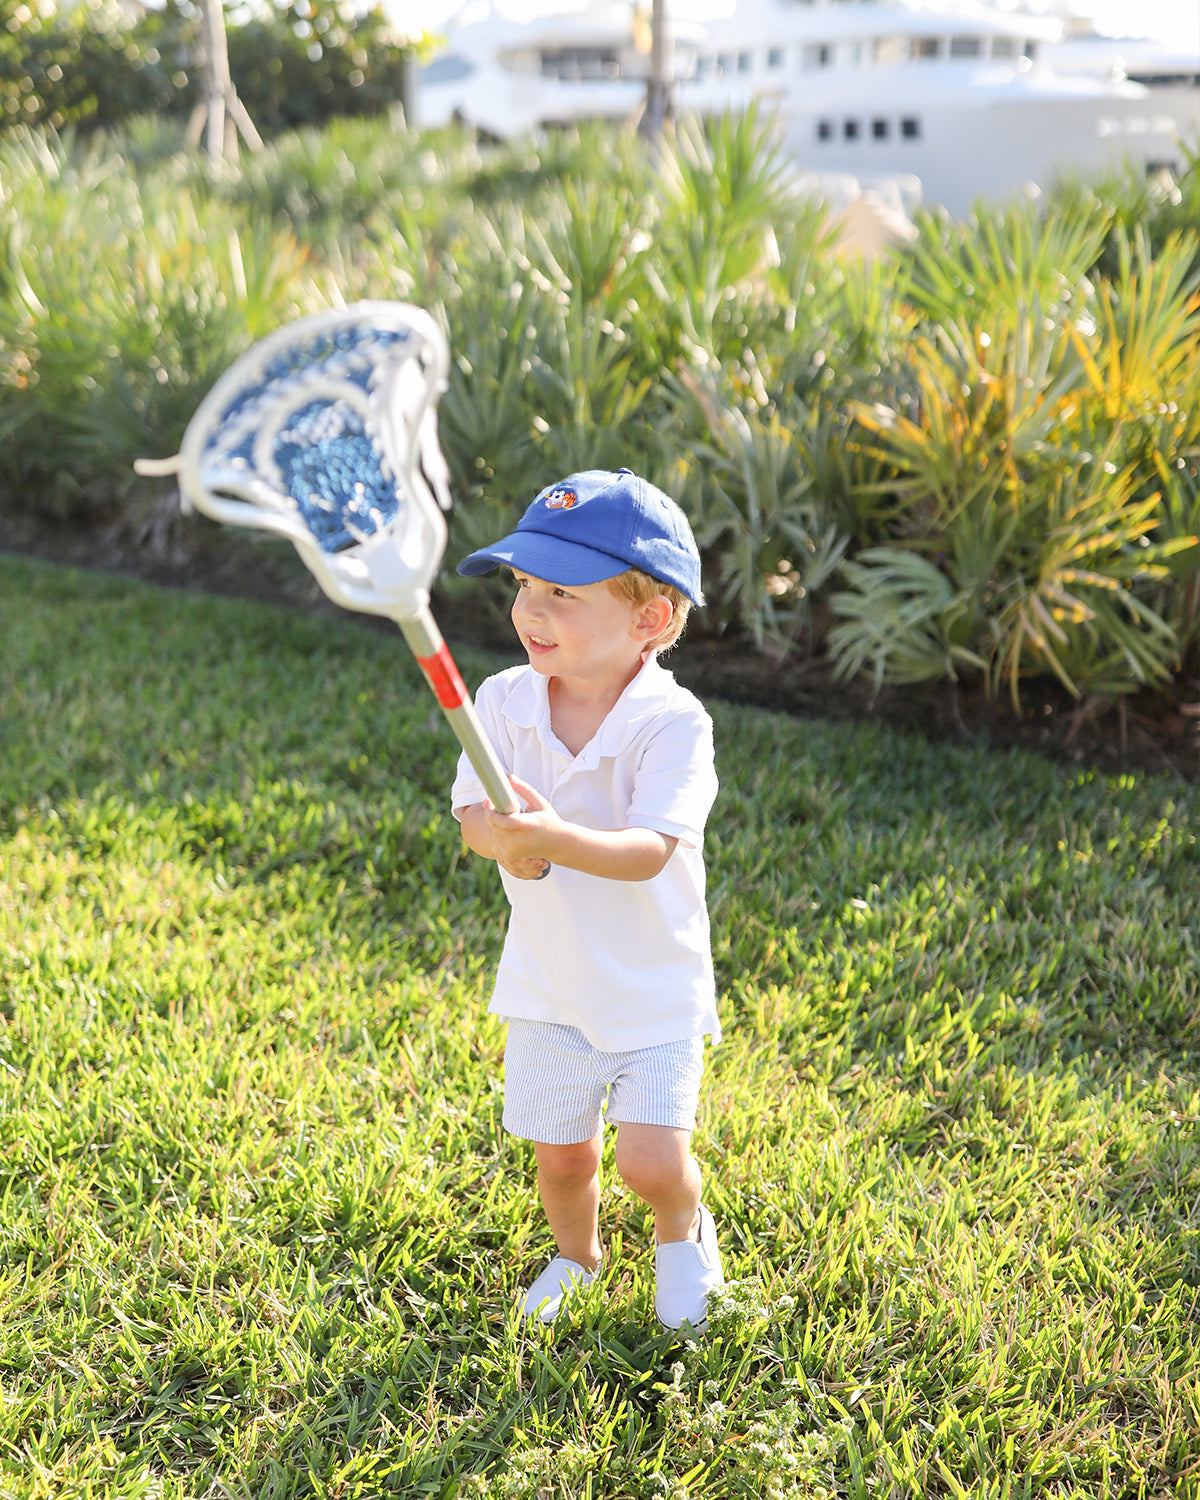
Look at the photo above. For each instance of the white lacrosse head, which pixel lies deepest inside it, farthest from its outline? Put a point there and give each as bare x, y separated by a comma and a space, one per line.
326, 432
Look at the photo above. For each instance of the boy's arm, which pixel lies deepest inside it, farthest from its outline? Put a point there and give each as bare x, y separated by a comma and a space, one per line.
538, 834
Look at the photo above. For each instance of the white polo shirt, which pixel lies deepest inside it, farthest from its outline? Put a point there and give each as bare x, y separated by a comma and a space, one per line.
627, 962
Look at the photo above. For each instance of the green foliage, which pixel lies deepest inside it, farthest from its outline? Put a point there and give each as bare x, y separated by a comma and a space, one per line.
768, 537
1013, 402
120, 318
725, 189
308, 61
263, 1232
82, 65
1044, 465
1134, 203
294, 63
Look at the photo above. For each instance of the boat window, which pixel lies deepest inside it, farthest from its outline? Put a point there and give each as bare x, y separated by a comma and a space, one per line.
824, 130
966, 46
880, 129
890, 49
1031, 50
724, 62
775, 57
816, 55
577, 63
850, 129
1005, 46
924, 47
910, 128
744, 62
448, 68
705, 67
1165, 80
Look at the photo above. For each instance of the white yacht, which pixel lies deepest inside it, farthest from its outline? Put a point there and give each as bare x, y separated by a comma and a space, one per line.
969, 99
965, 97
509, 77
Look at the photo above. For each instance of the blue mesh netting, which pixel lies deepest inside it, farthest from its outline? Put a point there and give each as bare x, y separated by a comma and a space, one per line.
332, 470
351, 348
329, 465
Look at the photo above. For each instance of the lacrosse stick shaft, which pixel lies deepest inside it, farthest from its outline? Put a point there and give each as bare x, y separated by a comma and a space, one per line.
433, 657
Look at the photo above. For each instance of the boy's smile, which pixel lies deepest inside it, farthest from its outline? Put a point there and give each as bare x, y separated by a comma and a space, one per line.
583, 632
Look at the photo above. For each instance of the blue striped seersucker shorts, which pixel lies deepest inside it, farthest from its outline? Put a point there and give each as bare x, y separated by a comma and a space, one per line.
555, 1083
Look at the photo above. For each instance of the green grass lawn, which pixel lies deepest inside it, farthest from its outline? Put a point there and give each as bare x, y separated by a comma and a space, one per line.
261, 1231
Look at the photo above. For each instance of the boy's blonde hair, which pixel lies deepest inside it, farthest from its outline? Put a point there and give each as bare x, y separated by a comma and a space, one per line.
640, 588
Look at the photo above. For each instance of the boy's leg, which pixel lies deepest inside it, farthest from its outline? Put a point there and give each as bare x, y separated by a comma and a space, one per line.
552, 1091
656, 1162
569, 1187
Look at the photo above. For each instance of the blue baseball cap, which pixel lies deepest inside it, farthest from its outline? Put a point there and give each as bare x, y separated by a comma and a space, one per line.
592, 526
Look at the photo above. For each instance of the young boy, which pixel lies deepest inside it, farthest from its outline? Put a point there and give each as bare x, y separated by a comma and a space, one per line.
606, 976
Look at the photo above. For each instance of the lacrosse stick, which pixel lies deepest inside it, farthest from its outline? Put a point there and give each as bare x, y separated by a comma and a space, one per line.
325, 432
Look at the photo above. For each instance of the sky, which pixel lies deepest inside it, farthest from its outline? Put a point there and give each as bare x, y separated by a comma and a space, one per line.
1173, 21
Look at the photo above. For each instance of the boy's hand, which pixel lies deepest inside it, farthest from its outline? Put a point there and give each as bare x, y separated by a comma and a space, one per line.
528, 843
521, 840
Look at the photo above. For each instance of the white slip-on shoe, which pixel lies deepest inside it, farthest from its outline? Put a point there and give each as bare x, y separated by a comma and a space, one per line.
545, 1297
686, 1271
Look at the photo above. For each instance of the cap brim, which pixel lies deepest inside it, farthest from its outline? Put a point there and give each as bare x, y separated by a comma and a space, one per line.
546, 557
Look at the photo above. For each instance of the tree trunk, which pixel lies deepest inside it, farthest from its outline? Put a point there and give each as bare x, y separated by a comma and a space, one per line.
658, 86
222, 115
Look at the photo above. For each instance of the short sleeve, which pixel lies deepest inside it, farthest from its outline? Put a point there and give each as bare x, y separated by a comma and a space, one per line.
676, 784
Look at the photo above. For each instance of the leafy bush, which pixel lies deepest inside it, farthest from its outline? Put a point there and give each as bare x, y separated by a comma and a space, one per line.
1158, 206
294, 62
82, 65
978, 455
1042, 466
121, 308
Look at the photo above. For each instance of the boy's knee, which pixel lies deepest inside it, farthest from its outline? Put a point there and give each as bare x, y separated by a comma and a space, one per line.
569, 1166
650, 1160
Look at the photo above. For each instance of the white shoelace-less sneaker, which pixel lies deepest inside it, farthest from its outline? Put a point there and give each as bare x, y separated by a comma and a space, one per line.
686, 1271
545, 1297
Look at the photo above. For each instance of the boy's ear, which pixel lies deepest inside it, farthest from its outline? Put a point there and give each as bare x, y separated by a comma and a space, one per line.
652, 618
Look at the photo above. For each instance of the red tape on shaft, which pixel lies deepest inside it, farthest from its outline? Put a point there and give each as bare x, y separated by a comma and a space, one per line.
442, 676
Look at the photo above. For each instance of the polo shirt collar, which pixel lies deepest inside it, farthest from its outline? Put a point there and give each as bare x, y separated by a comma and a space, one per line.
528, 707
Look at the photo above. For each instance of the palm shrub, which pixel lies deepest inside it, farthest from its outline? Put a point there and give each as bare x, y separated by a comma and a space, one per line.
120, 309
555, 347
723, 186
1025, 539
518, 171
765, 530
1044, 586
994, 264
354, 184
1142, 373
837, 346
1135, 203
765, 466
492, 310
951, 426
332, 183
600, 349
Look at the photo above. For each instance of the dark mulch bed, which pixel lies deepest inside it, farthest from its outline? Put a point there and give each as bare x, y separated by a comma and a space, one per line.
1144, 733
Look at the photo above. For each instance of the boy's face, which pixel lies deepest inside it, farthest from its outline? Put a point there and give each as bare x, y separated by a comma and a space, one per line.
582, 631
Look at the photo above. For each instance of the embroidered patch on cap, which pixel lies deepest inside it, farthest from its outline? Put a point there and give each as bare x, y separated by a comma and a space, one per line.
559, 498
